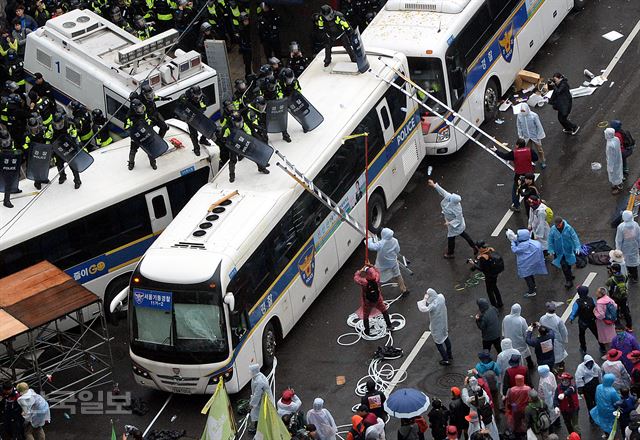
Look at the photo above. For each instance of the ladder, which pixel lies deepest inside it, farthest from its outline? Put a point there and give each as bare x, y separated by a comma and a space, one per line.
297, 175
457, 116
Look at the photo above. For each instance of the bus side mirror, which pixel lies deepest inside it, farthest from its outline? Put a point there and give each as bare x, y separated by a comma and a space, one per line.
457, 78
230, 301
116, 302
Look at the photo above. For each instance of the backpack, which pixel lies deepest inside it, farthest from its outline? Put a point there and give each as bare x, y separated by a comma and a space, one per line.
619, 290
484, 409
358, 434
628, 142
585, 309
497, 263
610, 314
549, 215
372, 292
541, 419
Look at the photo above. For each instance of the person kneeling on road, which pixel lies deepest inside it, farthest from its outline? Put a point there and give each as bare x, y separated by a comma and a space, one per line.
369, 279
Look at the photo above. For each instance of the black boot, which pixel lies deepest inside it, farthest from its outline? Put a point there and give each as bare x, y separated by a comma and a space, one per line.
232, 172
367, 329
263, 170
62, 178
387, 321
77, 184
286, 136
153, 164
203, 141
132, 160
196, 151
7, 203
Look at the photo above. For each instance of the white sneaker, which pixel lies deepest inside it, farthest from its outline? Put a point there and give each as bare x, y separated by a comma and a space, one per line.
530, 295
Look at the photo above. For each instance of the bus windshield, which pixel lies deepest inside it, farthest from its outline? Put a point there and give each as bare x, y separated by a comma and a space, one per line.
428, 74
179, 326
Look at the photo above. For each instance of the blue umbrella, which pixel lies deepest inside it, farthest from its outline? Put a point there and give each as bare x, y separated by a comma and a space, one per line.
406, 403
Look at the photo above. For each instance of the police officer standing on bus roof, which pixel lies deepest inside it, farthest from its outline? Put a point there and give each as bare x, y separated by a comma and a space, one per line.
41, 105
137, 112
101, 129
45, 90
257, 121
288, 82
14, 112
82, 121
239, 93
272, 91
297, 62
335, 27
6, 144
195, 97
236, 123
36, 132
149, 99
61, 126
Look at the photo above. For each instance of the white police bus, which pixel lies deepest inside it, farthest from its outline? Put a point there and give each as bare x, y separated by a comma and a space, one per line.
218, 289
89, 59
465, 52
97, 233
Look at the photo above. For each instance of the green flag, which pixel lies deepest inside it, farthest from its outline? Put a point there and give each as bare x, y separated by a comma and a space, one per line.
220, 422
270, 425
113, 432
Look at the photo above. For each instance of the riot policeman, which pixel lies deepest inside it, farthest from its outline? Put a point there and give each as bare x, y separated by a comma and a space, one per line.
137, 112
288, 82
14, 114
149, 99
35, 133
335, 27
297, 62
100, 128
82, 121
59, 127
15, 70
269, 30
239, 92
276, 65
272, 91
141, 28
6, 144
195, 97
116, 18
226, 154
42, 106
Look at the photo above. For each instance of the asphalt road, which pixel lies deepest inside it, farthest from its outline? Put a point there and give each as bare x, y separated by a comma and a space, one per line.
310, 359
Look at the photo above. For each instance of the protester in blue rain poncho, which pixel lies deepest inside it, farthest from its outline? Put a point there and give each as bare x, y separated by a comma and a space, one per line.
628, 241
387, 250
563, 246
259, 386
514, 327
529, 258
614, 160
453, 219
606, 397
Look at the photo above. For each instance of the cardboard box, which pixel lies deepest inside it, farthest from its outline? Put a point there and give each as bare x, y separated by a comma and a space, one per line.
524, 79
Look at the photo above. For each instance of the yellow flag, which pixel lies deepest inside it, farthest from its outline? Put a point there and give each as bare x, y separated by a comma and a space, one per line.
270, 425
220, 422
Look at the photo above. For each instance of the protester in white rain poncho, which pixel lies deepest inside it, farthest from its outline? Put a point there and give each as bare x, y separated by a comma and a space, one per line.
628, 241
503, 358
514, 327
530, 129
553, 322
259, 386
547, 387
614, 160
434, 304
387, 250
323, 420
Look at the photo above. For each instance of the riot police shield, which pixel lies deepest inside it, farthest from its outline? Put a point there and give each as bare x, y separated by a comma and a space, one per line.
187, 112
277, 115
150, 142
249, 147
10, 161
39, 162
69, 150
303, 112
357, 46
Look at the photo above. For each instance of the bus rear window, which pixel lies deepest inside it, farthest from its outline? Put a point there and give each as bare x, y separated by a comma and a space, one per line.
428, 74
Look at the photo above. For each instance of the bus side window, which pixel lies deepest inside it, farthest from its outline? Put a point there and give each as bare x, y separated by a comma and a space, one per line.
455, 71
239, 322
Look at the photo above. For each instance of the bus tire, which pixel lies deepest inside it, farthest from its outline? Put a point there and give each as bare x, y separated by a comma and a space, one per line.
377, 212
112, 290
491, 99
269, 341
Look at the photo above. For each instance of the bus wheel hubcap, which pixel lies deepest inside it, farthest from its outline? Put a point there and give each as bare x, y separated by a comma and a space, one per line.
270, 343
490, 98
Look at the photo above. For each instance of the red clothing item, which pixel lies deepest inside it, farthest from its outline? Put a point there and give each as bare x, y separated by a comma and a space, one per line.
570, 403
620, 138
522, 161
515, 404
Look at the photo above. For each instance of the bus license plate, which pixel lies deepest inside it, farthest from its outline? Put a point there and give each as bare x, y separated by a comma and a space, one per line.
180, 390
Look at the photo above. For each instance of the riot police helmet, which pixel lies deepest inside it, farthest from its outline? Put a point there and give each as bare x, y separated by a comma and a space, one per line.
115, 14
11, 54
270, 83
260, 103
138, 107
294, 47
139, 22
75, 106
327, 12
228, 105
274, 62
11, 86
59, 120
236, 119
241, 85
16, 99
287, 75
244, 16
205, 27
97, 116
147, 91
34, 126
33, 96
265, 70
5, 138
196, 92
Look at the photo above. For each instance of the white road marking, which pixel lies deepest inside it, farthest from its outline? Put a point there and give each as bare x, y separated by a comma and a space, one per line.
405, 365
166, 402
508, 215
622, 50
587, 282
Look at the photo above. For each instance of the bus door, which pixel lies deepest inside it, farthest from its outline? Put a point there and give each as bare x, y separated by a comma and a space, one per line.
384, 117
159, 209
530, 38
551, 13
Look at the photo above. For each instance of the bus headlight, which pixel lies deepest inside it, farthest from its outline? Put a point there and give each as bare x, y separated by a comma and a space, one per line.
139, 371
227, 375
443, 135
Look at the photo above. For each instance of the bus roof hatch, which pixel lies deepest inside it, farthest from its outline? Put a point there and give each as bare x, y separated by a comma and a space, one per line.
441, 6
148, 46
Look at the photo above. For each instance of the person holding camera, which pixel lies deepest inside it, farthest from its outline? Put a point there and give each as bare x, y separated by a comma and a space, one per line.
542, 344
561, 101
491, 264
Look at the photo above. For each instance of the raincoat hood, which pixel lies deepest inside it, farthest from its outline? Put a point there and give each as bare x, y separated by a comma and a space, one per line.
583, 291
453, 198
615, 124
543, 370
608, 379
587, 358
523, 235
431, 295
355, 421
254, 369
516, 309
519, 380
524, 108
609, 133
473, 384
386, 233
506, 344
318, 404
627, 216
483, 304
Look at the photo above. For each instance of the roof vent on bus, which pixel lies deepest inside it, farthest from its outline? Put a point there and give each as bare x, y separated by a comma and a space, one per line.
188, 245
208, 223
441, 6
75, 23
